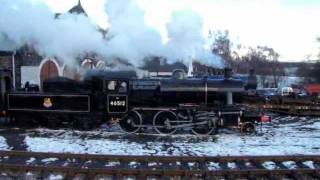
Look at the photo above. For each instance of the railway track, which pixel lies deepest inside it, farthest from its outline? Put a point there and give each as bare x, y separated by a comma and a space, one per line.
295, 110
35, 165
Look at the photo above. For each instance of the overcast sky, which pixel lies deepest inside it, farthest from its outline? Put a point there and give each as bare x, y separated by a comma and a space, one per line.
289, 26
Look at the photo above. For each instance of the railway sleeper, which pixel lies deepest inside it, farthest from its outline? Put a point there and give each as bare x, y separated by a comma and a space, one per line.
153, 166
143, 174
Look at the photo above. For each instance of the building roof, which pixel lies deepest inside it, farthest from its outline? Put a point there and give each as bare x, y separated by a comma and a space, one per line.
78, 9
6, 53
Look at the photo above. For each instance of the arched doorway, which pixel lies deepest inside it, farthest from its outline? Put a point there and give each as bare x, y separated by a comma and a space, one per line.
88, 64
101, 65
48, 70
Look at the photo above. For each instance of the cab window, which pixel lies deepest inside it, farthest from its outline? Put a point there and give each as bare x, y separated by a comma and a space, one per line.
112, 85
117, 86
123, 87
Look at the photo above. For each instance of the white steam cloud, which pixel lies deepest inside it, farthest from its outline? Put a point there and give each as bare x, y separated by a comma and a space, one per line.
129, 37
25, 23
32, 23
186, 40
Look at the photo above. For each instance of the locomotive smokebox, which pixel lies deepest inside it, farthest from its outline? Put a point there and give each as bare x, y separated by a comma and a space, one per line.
227, 73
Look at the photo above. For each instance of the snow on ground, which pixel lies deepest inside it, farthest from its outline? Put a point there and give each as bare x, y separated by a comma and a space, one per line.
49, 160
30, 160
95, 146
290, 135
3, 144
55, 177
269, 165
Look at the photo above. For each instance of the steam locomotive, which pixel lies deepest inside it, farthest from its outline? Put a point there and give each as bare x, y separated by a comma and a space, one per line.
201, 105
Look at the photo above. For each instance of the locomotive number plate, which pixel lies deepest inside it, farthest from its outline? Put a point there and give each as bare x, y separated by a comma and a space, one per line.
117, 104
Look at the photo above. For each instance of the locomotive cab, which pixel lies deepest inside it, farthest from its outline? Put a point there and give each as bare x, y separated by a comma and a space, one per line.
117, 95
111, 89
115, 86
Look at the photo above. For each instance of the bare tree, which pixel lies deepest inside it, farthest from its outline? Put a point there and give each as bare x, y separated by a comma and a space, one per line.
277, 71
221, 46
265, 62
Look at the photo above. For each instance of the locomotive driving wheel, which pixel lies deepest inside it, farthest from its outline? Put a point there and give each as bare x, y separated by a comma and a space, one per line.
131, 122
204, 127
164, 122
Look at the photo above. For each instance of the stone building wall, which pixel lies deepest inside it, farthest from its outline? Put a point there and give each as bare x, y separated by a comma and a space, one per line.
6, 63
28, 57
23, 57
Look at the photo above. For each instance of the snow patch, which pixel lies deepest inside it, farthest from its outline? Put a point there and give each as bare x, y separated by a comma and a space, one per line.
3, 144
49, 160
55, 177
30, 160
134, 164
309, 164
112, 164
290, 164
213, 166
269, 165
232, 165
285, 136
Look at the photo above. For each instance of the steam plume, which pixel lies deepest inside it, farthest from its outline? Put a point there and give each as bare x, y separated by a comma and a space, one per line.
32, 23
25, 23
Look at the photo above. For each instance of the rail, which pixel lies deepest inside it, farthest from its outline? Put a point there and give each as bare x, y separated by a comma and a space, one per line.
19, 164
296, 110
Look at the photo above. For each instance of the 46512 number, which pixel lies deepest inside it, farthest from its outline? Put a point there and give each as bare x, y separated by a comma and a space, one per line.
118, 103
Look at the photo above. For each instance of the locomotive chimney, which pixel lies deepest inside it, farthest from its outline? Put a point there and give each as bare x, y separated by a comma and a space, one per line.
252, 80
251, 72
227, 73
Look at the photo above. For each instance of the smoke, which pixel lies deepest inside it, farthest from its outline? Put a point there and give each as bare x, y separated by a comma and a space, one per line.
130, 38
32, 23
186, 40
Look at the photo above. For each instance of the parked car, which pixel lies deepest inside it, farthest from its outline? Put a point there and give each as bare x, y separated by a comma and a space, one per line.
302, 93
266, 93
285, 91
312, 89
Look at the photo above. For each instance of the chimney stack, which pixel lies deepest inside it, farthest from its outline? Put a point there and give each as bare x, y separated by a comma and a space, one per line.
227, 73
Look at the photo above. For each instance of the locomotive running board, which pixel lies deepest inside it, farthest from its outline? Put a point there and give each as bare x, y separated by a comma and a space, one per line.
154, 108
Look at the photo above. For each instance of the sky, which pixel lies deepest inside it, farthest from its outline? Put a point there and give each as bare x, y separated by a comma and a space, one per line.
289, 26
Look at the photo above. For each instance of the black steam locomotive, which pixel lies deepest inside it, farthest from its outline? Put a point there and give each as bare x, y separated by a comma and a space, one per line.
165, 104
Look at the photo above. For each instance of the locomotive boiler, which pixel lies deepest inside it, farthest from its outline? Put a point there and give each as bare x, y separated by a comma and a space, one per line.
165, 104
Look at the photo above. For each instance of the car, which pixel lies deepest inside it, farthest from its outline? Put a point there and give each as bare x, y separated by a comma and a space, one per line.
284, 91
266, 93
302, 93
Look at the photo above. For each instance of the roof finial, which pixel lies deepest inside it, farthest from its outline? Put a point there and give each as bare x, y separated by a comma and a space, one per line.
78, 9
